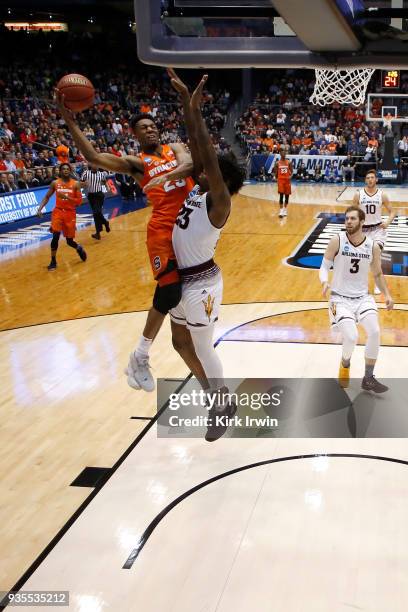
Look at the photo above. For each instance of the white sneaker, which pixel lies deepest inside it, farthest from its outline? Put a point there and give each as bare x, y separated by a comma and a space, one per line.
138, 373
285, 212
281, 213
377, 291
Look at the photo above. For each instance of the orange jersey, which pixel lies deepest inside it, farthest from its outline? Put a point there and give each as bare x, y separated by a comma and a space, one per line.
284, 172
67, 189
166, 199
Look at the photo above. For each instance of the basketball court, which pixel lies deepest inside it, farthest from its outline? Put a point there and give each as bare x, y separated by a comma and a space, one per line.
95, 503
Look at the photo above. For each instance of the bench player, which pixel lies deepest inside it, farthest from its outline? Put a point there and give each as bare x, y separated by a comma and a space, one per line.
170, 167
195, 236
371, 200
352, 254
283, 174
63, 218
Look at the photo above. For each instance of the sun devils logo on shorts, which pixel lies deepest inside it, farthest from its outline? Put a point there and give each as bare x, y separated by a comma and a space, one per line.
208, 306
333, 309
157, 263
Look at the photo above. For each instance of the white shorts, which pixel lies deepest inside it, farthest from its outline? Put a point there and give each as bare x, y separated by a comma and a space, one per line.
341, 308
200, 303
377, 234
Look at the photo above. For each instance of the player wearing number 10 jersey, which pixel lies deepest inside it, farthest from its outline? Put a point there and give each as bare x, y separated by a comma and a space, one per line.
371, 200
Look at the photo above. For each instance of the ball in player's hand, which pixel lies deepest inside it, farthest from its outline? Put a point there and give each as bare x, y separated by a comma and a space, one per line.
78, 91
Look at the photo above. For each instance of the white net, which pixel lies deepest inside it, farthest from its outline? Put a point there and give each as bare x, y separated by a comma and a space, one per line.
347, 86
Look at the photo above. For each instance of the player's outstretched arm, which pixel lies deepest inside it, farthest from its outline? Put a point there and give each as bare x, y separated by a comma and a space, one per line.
356, 199
127, 165
219, 194
379, 277
46, 198
391, 212
182, 90
327, 262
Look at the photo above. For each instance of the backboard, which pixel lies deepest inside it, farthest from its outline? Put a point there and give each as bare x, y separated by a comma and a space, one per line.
379, 105
273, 33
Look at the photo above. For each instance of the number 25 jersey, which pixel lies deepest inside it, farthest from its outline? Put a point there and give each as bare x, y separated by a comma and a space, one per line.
166, 198
351, 267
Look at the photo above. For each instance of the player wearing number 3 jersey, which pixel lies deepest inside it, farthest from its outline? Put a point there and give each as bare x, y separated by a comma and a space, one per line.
352, 256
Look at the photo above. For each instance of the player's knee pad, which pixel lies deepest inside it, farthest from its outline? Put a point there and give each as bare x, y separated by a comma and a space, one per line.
54, 241
167, 297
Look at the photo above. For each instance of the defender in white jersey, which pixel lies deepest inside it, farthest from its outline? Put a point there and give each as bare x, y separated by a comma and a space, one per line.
371, 200
195, 237
352, 255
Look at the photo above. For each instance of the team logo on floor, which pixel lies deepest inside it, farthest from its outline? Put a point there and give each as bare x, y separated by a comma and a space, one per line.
310, 252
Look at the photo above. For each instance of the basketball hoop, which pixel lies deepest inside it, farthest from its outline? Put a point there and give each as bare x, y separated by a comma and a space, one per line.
347, 86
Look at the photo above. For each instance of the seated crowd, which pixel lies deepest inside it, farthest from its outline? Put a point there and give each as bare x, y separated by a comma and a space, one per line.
284, 118
34, 139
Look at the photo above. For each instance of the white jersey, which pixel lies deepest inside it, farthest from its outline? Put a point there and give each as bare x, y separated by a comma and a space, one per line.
351, 267
194, 236
372, 206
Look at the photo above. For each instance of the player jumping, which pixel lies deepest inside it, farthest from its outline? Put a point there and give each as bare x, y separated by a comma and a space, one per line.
195, 236
167, 168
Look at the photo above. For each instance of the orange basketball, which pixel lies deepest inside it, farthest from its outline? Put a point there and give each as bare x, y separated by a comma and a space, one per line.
79, 93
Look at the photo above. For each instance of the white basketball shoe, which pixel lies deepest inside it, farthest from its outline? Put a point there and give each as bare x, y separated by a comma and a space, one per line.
138, 373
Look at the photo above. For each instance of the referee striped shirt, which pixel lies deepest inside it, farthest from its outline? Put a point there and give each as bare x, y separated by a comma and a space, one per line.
95, 180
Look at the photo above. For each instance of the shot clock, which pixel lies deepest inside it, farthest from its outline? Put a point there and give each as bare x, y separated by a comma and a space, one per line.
390, 79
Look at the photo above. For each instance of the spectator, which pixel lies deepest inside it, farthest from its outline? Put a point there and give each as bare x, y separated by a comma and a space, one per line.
348, 168
403, 147
11, 181
8, 162
38, 179
30, 179
331, 174
302, 174
40, 161
49, 176
22, 182
4, 185
18, 161
318, 176
280, 119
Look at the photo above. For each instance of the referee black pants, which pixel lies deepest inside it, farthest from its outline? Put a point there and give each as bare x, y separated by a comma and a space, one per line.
96, 200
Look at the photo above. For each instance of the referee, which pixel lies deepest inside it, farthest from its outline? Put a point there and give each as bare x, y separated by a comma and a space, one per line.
93, 180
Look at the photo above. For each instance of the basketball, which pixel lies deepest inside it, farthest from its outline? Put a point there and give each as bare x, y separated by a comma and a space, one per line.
78, 91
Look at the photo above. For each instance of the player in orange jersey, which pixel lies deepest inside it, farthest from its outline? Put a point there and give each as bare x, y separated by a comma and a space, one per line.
63, 219
283, 174
167, 168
